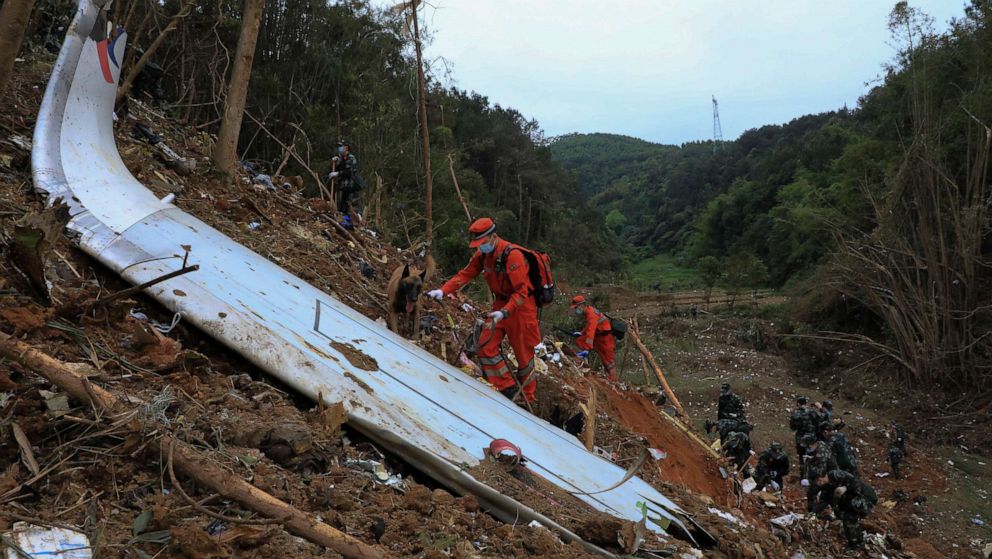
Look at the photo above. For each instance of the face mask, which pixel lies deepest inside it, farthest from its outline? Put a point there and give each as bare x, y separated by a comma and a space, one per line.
486, 248
578, 311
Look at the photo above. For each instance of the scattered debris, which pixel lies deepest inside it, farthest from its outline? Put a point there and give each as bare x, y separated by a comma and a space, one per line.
786, 520
37, 541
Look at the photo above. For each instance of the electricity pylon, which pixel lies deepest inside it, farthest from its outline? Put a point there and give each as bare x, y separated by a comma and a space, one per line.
717, 131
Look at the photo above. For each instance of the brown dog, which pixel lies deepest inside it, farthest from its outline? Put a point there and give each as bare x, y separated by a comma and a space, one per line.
403, 291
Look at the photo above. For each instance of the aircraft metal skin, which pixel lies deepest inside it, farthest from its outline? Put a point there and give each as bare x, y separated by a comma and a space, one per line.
280, 323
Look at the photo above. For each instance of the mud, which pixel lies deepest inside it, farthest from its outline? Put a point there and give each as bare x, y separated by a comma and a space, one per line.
359, 382
27, 318
687, 464
356, 357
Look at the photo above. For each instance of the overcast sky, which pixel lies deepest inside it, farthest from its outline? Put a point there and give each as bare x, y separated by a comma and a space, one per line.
647, 68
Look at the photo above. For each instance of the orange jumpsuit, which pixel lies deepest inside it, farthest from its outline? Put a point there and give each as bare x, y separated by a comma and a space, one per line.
513, 295
598, 335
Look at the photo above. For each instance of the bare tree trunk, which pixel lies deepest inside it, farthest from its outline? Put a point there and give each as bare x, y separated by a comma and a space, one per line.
132, 74
14, 16
118, 10
458, 191
377, 202
226, 150
424, 134
520, 208
130, 13
530, 216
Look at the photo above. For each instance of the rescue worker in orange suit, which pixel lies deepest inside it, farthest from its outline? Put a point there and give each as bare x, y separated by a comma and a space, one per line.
514, 312
597, 335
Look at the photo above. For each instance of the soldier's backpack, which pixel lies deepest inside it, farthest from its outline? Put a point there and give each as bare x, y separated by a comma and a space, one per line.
539, 271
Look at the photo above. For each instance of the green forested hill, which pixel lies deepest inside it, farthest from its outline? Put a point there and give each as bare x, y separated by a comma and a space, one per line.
599, 159
656, 197
880, 213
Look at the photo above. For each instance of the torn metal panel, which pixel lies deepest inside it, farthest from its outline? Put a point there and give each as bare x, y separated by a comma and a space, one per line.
287, 327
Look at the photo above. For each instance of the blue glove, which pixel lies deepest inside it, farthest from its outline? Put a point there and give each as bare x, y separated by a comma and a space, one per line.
583, 354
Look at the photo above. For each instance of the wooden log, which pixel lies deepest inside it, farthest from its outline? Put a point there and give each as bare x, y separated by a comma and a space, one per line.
195, 465
657, 371
589, 410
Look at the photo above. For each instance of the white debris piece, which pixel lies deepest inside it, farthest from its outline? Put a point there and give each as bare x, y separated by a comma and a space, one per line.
748, 485
786, 519
38, 541
727, 516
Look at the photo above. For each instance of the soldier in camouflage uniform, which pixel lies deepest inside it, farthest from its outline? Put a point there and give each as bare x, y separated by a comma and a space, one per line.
730, 405
898, 450
773, 465
819, 461
851, 500
726, 426
802, 421
843, 452
730, 415
737, 447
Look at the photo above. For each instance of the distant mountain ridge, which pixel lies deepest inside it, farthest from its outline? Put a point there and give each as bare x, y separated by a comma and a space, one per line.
598, 159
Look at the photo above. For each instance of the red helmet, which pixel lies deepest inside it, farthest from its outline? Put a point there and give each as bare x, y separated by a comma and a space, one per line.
576, 301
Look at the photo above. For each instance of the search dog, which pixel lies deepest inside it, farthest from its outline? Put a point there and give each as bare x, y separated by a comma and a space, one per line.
403, 291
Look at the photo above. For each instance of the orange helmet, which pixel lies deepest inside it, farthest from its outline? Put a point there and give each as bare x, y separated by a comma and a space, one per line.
479, 230
576, 301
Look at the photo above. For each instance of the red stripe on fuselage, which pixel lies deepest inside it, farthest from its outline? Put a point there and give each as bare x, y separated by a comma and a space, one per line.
101, 49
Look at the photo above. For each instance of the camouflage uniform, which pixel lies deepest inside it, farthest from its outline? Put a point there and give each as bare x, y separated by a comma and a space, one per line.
737, 448
348, 181
851, 500
773, 465
844, 453
900, 438
730, 405
819, 461
897, 451
895, 458
802, 421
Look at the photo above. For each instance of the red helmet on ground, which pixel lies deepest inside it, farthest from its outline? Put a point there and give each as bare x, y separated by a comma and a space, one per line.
576, 301
479, 230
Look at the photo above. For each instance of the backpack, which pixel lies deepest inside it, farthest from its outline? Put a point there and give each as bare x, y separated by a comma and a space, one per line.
617, 327
539, 272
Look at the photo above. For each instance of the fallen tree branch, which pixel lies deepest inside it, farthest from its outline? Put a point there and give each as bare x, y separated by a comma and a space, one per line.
190, 462
138, 288
657, 371
200, 508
